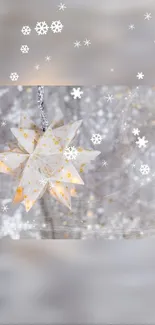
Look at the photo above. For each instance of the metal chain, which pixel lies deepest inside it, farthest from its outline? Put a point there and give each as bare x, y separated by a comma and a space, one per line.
43, 200
44, 121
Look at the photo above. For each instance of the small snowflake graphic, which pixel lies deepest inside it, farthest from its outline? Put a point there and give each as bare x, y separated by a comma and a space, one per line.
96, 138
140, 75
104, 163
37, 66
144, 169
56, 26
14, 76
77, 44
76, 93
87, 42
131, 26
4, 208
62, 6
41, 28
51, 185
71, 153
141, 142
109, 98
147, 16
24, 49
43, 181
3, 123
47, 58
26, 30
135, 131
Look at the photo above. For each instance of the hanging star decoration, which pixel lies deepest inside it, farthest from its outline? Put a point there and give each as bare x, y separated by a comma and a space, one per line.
38, 162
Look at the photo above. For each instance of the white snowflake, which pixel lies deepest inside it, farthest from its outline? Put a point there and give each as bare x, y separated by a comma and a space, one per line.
51, 185
56, 26
20, 88
109, 98
77, 44
131, 26
147, 16
104, 163
87, 42
140, 75
26, 30
37, 66
144, 169
135, 131
48, 58
12, 226
43, 181
41, 28
76, 93
62, 6
96, 138
3, 123
141, 142
71, 153
14, 76
4, 208
24, 49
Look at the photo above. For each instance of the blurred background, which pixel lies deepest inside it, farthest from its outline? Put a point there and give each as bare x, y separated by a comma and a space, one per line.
117, 200
64, 282
115, 56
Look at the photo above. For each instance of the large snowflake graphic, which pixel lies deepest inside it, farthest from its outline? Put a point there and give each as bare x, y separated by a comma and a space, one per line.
71, 153
41, 28
38, 162
56, 26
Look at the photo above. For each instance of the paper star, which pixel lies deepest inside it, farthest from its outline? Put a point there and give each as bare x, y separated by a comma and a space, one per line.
41, 156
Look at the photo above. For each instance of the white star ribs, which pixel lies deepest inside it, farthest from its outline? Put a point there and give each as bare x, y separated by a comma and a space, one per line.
41, 156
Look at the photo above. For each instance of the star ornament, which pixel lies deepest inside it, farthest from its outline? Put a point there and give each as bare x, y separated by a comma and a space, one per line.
40, 155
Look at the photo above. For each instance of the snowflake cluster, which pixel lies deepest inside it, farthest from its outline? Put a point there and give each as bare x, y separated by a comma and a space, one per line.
86, 42
42, 27
13, 226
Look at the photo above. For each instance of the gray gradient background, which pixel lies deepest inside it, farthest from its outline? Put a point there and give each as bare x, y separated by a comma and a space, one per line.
57, 282
104, 22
